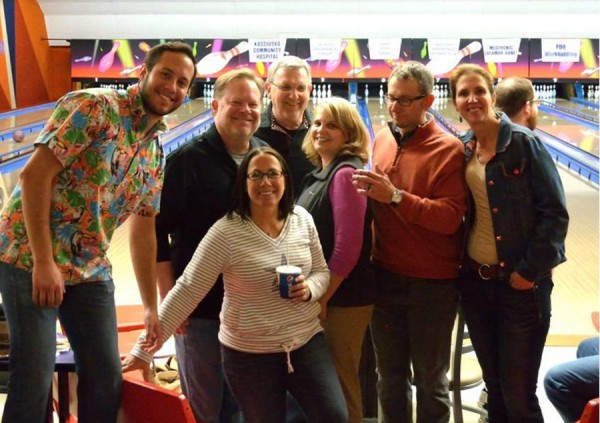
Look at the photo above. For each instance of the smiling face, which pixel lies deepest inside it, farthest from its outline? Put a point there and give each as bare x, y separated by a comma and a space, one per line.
237, 111
265, 192
289, 92
164, 88
327, 136
473, 99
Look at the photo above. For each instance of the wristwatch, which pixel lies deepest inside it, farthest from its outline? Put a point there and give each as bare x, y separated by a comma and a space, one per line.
396, 197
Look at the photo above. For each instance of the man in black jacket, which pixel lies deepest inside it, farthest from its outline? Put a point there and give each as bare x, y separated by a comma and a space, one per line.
198, 190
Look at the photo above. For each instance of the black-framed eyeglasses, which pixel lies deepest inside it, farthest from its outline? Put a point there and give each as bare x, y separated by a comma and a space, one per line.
289, 88
403, 101
257, 175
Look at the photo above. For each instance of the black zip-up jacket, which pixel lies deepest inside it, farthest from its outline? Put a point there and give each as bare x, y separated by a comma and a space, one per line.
198, 191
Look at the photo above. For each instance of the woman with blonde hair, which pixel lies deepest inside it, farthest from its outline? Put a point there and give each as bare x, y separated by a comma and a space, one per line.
338, 144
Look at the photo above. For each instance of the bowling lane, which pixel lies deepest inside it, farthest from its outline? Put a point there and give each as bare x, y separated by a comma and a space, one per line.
8, 122
574, 106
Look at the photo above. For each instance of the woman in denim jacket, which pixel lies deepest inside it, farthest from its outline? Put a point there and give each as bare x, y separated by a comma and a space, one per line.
518, 223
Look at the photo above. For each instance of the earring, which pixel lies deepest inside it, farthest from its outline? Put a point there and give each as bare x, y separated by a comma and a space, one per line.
460, 119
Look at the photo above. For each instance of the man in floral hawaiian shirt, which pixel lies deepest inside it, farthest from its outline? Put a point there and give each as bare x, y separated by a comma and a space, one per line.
97, 162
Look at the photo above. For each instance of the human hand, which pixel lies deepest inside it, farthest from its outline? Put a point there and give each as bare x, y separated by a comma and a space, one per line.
519, 283
182, 328
153, 336
374, 184
300, 291
323, 313
48, 285
131, 362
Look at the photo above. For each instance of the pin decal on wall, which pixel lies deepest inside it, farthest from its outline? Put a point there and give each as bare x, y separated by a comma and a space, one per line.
215, 62
442, 65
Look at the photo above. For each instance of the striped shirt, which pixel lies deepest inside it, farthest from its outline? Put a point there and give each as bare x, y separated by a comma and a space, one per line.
253, 317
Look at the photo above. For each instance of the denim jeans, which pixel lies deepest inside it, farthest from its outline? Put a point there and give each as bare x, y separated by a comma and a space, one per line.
569, 386
88, 316
260, 381
201, 373
508, 329
412, 324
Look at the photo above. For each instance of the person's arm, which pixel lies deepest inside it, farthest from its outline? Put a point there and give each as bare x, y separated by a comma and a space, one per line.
37, 181
348, 228
164, 278
545, 249
142, 243
442, 211
192, 286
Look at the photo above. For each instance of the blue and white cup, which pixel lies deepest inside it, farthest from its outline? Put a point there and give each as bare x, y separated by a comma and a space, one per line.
286, 277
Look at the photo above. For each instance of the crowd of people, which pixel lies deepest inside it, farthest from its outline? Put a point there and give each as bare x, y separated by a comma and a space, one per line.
391, 236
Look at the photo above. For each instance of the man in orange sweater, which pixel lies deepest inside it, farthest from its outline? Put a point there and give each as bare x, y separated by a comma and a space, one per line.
420, 201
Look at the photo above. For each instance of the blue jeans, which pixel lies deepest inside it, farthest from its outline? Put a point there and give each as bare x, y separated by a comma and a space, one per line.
201, 373
569, 386
412, 324
88, 316
508, 329
260, 381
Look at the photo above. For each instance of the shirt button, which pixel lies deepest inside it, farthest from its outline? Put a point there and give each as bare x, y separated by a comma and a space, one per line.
495, 210
499, 238
491, 183
516, 172
502, 264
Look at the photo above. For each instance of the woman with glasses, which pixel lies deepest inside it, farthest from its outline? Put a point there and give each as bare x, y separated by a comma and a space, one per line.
270, 345
517, 227
338, 143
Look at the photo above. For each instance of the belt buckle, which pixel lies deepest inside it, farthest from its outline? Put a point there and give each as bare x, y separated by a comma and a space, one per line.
484, 268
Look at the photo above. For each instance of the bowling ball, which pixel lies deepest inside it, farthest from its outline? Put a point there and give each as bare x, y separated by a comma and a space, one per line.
18, 136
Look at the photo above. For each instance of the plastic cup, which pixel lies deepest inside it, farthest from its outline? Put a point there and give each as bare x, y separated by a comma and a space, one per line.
286, 277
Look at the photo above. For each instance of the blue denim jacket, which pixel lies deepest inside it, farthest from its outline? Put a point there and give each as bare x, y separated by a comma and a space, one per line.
527, 202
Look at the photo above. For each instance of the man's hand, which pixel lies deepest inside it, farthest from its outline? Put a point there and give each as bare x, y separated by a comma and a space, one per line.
132, 362
48, 285
374, 184
153, 341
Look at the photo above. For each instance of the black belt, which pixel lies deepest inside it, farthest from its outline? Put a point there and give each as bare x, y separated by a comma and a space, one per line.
485, 271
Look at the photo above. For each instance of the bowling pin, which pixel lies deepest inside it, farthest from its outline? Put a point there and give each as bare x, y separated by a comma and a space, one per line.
367, 92
328, 90
442, 65
107, 60
215, 62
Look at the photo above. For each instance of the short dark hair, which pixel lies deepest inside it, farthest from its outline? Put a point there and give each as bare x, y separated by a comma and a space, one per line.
241, 203
155, 53
512, 94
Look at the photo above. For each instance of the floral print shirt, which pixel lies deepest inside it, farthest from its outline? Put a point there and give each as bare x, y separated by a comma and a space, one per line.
110, 170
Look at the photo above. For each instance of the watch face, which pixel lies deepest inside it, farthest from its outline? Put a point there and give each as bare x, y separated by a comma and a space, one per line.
397, 196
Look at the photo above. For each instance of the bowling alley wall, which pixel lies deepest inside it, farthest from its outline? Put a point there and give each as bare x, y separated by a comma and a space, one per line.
31, 72
345, 59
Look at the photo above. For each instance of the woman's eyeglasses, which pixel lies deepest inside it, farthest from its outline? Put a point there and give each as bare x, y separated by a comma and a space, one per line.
257, 175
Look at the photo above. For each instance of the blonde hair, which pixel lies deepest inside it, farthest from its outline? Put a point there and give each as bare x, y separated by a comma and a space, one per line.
345, 115
224, 80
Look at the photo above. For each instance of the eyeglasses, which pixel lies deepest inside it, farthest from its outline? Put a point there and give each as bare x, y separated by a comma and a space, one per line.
288, 88
257, 175
403, 101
